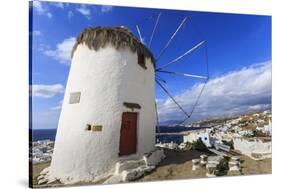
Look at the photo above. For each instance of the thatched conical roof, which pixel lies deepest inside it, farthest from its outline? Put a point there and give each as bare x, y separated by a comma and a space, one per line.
120, 37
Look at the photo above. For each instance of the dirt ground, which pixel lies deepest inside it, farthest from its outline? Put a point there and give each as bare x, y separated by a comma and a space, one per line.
178, 165
36, 169
252, 167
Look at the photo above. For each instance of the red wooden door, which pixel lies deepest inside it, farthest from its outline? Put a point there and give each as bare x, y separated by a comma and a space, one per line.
128, 134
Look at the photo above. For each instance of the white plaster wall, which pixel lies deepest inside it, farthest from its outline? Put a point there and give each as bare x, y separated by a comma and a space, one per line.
255, 146
193, 136
106, 79
190, 137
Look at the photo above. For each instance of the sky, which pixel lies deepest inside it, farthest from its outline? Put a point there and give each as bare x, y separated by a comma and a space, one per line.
236, 56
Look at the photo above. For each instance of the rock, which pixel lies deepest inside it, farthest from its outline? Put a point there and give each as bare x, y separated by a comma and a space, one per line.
196, 164
40, 177
203, 157
235, 158
211, 170
203, 160
133, 174
215, 159
154, 158
114, 179
51, 180
148, 169
130, 164
172, 145
203, 163
45, 171
182, 146
234, 165
42, 181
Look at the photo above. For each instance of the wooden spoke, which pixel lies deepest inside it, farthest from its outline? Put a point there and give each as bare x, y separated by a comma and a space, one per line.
184, 74
183, 55
171, 38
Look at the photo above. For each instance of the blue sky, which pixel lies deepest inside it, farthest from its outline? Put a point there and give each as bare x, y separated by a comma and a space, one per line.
239, 54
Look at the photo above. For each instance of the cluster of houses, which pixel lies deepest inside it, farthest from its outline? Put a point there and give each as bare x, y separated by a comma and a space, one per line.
41, 151
249, 134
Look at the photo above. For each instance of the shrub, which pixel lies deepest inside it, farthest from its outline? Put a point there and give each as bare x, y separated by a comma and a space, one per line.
200, 146
222, 168
257, 133
228, 143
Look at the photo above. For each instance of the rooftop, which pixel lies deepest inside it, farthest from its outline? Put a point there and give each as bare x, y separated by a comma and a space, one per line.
120, 37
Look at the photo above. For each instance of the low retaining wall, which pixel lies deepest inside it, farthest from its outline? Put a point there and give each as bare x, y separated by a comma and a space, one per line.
255, 148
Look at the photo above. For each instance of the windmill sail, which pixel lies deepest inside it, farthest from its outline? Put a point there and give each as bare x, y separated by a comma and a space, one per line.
177, 66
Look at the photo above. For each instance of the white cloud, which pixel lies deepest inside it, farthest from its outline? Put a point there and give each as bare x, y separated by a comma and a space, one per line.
84, 10
248, 89
59, 5
46, 91
37, 33
45, 120
42, 9
105, 8
49, 15
62, 52
70, 14
58, 107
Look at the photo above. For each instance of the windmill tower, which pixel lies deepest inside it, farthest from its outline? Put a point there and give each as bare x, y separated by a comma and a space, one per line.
108, 111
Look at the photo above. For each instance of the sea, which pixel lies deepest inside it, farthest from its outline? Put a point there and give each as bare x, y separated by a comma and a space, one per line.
44, 134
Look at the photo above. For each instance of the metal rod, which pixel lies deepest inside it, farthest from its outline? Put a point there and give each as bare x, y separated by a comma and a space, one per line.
160, 79
199, 96
172, 98
138, 29
171, 38
153, 31
181, 122
183, 55
157, 117
184, 74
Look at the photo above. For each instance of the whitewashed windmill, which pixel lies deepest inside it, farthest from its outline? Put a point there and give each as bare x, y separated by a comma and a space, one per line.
108, 112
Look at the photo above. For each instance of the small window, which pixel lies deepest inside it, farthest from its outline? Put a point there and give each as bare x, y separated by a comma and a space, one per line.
97, 128
74, 97
94, 128
141, 60
132, 105
88, 127
205, 138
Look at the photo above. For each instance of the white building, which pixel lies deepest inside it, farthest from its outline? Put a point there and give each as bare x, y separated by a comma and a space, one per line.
204, 135
255, 148
267, 129
108, 112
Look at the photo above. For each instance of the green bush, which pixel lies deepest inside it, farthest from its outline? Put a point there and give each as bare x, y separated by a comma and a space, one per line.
200, 146
230, 143
222, 168
257, 133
